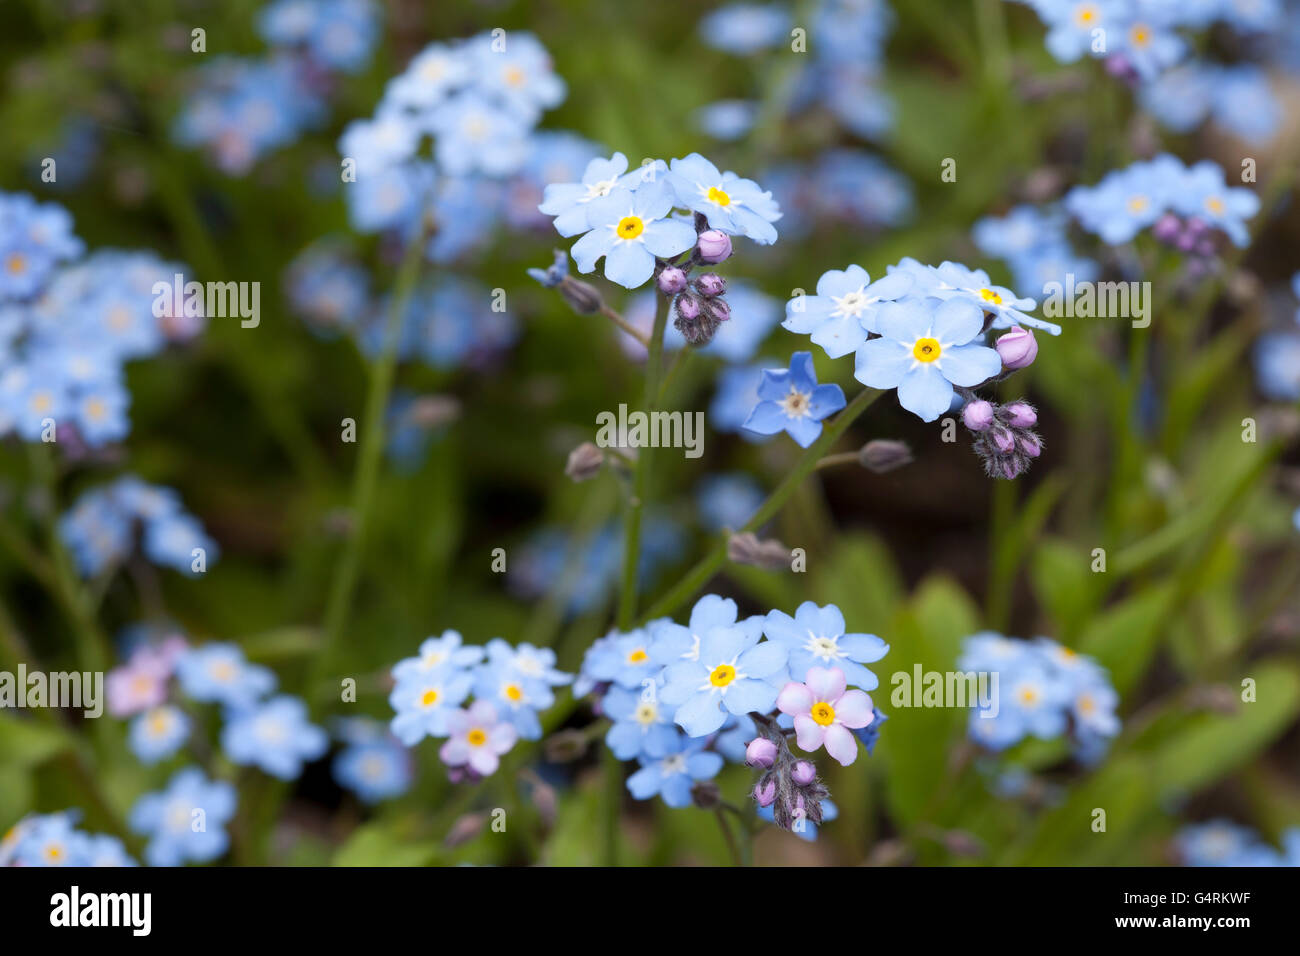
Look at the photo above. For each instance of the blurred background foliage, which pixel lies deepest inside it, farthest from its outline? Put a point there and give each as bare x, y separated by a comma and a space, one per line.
1202, 575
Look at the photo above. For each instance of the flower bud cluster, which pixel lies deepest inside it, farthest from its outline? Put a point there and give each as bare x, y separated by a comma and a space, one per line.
699, 305
1005, 438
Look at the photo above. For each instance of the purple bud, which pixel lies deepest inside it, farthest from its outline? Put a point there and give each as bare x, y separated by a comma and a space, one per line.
710, 284
1167, 227
1018, 347
713, 246
761, 752
1197, 226
978, 415
1030, 445
1010, 468
803, 773
718, 308
688, 307
765, 793
1019, 415
1003, 439
671, 280
1205, 247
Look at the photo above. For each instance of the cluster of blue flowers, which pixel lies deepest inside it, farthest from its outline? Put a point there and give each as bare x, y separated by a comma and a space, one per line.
1033, 242
683, 699
510, 686
52, 839
373, 764
1179, 203
1144, 43
101, 528
844, 51
68, 328
242, 108
844, 186
1224, 843
1045, 690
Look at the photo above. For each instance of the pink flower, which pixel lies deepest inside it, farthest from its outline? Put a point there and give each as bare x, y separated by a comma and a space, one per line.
478, 738
141, 683
825, 713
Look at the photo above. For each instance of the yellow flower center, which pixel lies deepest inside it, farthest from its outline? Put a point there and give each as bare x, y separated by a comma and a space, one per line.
926, 350
722, 675
1085, 14
41, 402
223, 671
476, 737
823, 713
429, 697
158, 722
1086, 704
629, 227
646, 713
16, 263
514, 76
1141, 35
988, 295
1138, 203
719, 196
54, 853
1028, 696
514, 692
95, 409
1215, 205
638, 656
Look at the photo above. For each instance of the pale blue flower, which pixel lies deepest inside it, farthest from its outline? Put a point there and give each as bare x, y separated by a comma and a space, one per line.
158, 733
186, 821
629, 230
793, 401
733, 674
673, 775
844, 309
731, 204
815, 637
275, 736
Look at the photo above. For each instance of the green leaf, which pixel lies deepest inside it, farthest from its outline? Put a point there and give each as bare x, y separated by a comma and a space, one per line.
382, 844
1065, 586
28, 743
1124, 637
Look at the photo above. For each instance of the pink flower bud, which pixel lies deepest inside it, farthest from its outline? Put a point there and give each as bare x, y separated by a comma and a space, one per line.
710, 284
1030, 445
713, 246
761, 752
765, 794
803, 773
1017, 347
688, 307
671, 280
1019, 415
1003, 439
978, 415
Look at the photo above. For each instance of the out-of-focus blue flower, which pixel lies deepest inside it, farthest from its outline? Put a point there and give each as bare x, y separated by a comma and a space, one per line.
926, 347
328, 289
1146, 43
390, 198
242, 109
517, 69
727, 120
844, 309
372, 764
1203, 193
423, 702
815, 637
474, 135
50, 840
734, 205
34, 238
436, 655
449, 322
1223, 843
275, 736
793, 402
1277, 364
430, 76
554, 157
158, 733
727, 500
745, 28
735, 398
623, 659
219, 673
517, 698
186, 821
629, 230
103, 850
335, 34
673, 775
1071, 26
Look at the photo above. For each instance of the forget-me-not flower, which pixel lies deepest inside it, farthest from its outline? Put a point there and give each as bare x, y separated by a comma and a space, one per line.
793, 402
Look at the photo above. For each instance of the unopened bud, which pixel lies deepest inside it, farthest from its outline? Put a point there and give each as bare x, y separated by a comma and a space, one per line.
584, 462
761, 752
883, 454
713, 246
977, 415
1018, 415
803, 773
765, 793
746, 548
582, 298
710, 285
1017, 347
671, 280
465, 829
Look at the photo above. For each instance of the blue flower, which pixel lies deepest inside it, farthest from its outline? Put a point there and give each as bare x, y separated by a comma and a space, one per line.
51, 840
727, 120
629, 229
517, 698
374, 771
275, 736
1219, 843
424, 701
517, 69
1147, 45
1203, 193
733, 673
640, 726
673, 775
436, 655
102, 850
671, 642
727, 500
734, 205
927, 347
34, 239
219, 673
869, 735
735, 398
1277, 364
793, 402
844, 309
158, 733
185, 821
1129, 200
529, 662
1071, 25
430, 76
475, 135
815, 637
622, 659
569, 202
745, 28
335, 34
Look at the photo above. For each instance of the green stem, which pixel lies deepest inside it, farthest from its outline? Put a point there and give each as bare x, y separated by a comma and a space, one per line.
641, 476
736, 858
706, 567
369, 458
